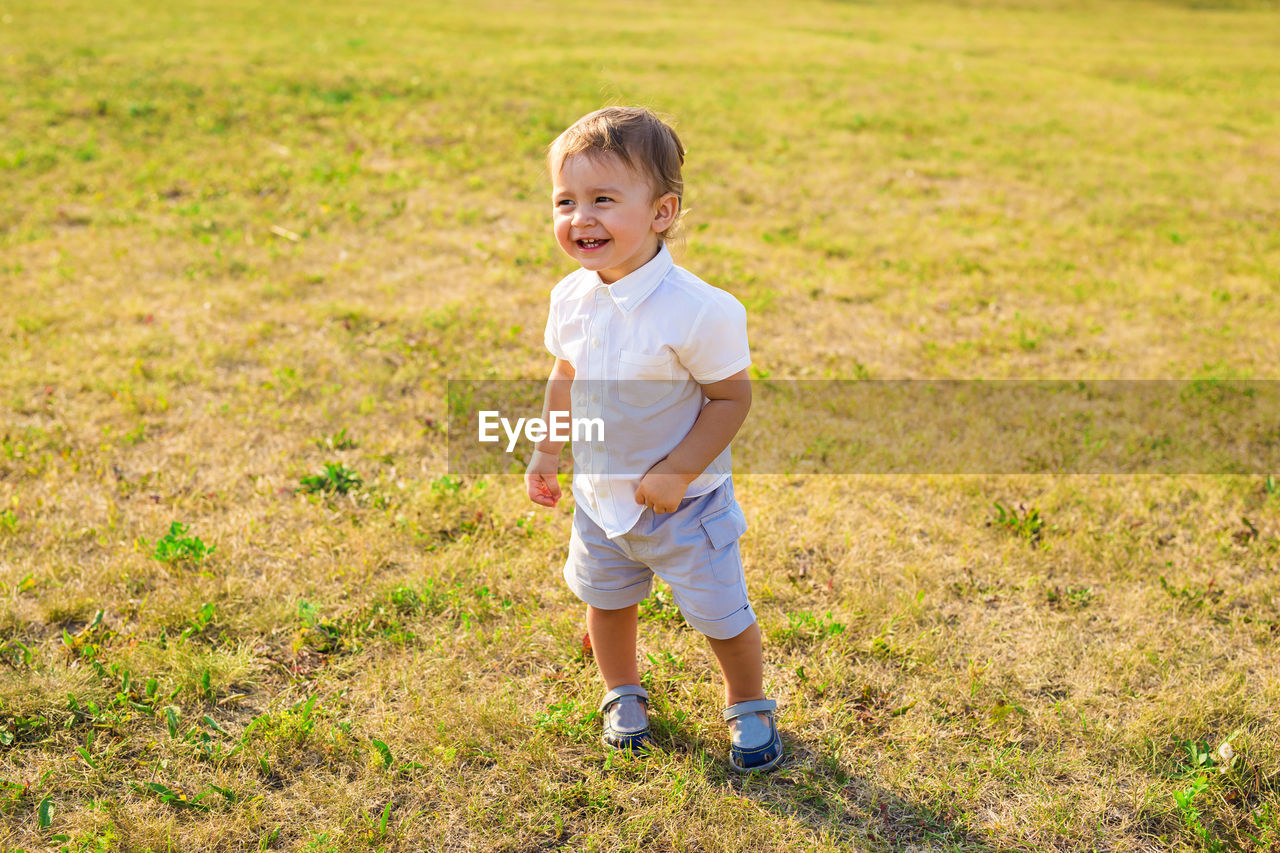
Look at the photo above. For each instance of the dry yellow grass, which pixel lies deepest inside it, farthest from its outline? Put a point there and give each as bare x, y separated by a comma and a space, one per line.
231, 234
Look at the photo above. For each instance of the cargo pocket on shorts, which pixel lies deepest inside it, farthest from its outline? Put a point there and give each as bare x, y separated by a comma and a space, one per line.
724, 528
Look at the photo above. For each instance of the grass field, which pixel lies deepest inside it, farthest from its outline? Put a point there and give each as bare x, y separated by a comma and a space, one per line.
243, 247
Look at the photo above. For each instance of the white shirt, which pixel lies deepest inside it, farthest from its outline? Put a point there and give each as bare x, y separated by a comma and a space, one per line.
640, 349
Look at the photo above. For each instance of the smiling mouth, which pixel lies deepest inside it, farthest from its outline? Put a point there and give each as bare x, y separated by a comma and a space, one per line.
591, 244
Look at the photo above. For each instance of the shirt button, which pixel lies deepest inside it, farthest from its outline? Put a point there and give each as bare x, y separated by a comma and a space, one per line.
595, 343
595, 398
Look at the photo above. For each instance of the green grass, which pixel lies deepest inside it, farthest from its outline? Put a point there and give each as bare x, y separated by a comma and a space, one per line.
236, 238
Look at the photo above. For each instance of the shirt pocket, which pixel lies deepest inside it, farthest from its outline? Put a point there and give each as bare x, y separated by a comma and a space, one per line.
644, 379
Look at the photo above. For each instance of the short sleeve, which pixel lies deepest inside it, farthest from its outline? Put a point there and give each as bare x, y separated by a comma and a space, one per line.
716, 347
551, 337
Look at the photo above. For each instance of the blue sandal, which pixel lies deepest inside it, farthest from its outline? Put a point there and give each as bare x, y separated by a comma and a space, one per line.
767, 751
619, 708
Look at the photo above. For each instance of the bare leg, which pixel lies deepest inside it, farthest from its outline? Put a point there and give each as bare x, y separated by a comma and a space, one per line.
742, 664
613, 643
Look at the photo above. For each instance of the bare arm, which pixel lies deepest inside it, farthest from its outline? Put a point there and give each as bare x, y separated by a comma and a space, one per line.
729, 400
540, 477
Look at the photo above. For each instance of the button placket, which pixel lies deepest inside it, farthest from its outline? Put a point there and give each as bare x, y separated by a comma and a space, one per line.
598, 372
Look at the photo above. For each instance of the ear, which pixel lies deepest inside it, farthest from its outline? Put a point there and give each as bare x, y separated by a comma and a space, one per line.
665, 211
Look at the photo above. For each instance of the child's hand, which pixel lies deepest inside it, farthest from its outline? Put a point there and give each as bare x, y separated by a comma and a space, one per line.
662, 488
540, 479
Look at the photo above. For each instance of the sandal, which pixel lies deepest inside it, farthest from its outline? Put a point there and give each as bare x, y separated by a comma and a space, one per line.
768, 751
624, 708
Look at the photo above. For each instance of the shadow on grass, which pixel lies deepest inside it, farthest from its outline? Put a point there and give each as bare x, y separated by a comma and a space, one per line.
812, 787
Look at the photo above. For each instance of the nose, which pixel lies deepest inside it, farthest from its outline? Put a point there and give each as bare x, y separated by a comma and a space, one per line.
582, 216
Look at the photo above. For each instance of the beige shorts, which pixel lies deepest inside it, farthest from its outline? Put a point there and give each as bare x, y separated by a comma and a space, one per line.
694, 549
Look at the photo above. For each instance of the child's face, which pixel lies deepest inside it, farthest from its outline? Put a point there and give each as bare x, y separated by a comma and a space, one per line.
605, 216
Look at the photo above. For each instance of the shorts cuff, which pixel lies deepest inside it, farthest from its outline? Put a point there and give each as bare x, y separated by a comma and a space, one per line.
725, 628
611, 599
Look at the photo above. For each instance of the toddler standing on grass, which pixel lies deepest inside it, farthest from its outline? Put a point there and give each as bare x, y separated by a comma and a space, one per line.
660, 357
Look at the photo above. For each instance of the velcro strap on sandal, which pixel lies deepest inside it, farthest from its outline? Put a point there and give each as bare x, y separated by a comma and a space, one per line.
623, 690
743, 708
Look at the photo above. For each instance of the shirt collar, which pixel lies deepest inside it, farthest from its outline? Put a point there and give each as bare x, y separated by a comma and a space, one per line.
633, 288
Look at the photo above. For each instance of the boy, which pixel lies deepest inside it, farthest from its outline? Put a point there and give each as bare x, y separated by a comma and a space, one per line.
661, 357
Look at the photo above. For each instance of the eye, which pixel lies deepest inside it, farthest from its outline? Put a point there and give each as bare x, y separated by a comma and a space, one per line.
563, 202
603, 198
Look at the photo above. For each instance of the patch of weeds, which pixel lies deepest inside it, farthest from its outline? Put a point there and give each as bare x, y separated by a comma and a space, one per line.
175, 797
1021, 522
17, 653
569, 719
404, 599
337, 478
12, 448
664, 667
383, 618
1193, 595
322, 844
461, 508
585, 796
321, 635
204, 686
1246, 534
137, 435
19, 729
293, 725
210, 746
11, 795
27, 584
449, 484
1071, 598
462, 605
268, 840
1222, 792
805, 627
1198, 758
203, 619
140, 695
208, 742
384, 752
8, 521
88, 643
1193, 819
389, 617
99, 841
661, 607
1002, 709
338, 441
176, 547
376, 829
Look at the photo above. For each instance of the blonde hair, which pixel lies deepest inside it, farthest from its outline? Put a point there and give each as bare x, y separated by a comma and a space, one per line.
638, 137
